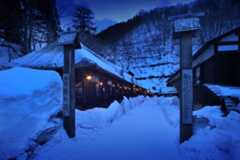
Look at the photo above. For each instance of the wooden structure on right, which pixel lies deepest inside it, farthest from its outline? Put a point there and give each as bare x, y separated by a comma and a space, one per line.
216, 66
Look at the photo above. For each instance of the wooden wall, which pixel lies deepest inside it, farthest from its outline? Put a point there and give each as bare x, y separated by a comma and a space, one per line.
96, 88
223, 68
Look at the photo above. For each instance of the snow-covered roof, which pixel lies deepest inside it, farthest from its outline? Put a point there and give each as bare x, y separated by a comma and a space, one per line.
52, 56
229, 91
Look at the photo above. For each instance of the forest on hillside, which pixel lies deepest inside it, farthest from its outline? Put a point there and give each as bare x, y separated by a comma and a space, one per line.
145, 45
220, 16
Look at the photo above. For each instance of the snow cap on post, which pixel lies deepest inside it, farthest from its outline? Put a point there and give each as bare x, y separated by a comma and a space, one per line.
186, 23
70, 38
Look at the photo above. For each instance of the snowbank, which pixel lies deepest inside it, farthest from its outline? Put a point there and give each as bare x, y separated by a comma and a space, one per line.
217, 141
28, 98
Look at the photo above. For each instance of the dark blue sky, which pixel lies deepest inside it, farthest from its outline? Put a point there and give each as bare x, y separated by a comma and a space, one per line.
117, 10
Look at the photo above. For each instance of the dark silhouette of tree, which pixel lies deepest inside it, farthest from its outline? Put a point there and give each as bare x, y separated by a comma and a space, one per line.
50, 17
115, 32
41, 23
84, 20
29, 23
10, 20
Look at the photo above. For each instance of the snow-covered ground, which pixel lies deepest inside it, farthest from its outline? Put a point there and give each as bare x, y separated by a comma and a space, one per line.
28, 98
146, 128
140, 128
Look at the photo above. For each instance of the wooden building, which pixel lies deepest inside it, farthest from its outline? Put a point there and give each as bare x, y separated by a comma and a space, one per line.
98, 82
216, 63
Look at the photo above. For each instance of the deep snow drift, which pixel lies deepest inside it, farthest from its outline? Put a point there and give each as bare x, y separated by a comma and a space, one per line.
27, 100
146, 128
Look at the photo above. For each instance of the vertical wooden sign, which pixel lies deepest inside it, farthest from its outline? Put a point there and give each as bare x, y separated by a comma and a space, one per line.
186, 90
69, 91
184, 28
70, 41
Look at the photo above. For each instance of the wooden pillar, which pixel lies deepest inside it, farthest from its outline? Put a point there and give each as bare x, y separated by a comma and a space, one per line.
238, 40
70, 41
186, 88
185, 26
69, 91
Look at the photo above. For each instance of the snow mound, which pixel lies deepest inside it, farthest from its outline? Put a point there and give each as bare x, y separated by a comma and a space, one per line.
23, 81
219, 141
28, 98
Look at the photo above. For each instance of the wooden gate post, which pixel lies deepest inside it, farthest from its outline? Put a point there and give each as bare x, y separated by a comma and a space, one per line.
184, 28
70, 42
69, 91
186, 87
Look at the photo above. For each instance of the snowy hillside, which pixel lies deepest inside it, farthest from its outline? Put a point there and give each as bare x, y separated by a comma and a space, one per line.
144, 44
151, 53
28, 98
148, 51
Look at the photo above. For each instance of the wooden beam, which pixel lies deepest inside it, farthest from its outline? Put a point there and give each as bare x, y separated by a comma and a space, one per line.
239, 41
227, 47
228, 43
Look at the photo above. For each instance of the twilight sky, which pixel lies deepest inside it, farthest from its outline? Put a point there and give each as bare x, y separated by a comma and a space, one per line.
116, 10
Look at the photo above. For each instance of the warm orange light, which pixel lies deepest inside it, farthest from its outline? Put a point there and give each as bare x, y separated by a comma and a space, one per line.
89, 77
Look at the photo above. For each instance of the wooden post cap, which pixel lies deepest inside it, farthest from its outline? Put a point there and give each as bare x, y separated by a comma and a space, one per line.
69, 38
186, 23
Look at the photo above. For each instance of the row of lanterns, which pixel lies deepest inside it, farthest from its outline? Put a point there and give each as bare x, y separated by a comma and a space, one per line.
99, 83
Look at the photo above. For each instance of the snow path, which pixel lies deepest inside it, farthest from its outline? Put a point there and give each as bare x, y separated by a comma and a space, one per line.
140, 134
145, 128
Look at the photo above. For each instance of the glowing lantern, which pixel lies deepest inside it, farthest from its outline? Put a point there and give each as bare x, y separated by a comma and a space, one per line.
109, 83
89, 77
